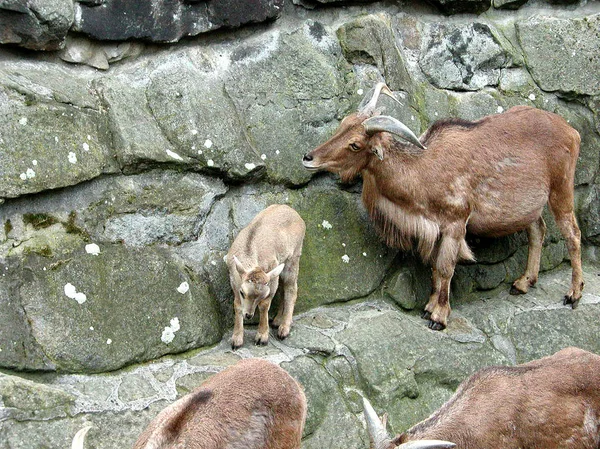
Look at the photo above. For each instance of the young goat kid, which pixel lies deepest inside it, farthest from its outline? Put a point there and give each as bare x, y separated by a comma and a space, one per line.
268, 247
253, 404
550, 403
491, 177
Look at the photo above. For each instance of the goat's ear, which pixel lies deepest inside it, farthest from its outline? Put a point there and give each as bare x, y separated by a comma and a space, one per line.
239, 266
377, 150
276, 271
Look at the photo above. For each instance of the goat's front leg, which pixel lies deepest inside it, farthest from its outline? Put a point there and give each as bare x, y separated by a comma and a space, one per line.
449, 248
262, 335
237, 340
290, 293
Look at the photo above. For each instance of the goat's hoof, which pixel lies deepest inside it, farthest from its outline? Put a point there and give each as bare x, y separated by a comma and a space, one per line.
516, 291
235, 347
261, 342
426, 315
569, 300
434, 325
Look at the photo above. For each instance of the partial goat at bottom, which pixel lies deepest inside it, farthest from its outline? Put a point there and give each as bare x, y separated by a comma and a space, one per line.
253, 404
550, 403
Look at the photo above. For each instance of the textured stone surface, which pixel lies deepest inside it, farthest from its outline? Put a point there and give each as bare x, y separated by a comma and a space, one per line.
574, 45
168, 20
462, 6
35, 24
466, 57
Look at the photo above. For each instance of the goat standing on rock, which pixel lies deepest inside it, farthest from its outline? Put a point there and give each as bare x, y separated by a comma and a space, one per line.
550, 403
491, 177
270, 246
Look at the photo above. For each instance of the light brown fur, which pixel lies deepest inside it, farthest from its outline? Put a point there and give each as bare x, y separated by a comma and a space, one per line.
270, 243
253, 404
489, 178
550, 403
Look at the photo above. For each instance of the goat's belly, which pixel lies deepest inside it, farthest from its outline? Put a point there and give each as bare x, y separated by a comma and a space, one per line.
500, 225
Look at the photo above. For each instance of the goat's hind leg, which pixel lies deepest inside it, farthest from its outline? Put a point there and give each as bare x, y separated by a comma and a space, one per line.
536, 232
570, 231
290, 293
436, 285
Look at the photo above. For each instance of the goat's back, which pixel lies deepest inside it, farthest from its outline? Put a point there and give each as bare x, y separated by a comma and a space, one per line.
276, 233
253, 404
550, 403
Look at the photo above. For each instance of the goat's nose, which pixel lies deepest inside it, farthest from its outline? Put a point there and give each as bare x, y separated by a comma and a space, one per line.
248, 316
307, 157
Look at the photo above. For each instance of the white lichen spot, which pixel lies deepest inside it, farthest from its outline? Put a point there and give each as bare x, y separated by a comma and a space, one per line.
89, 137
56, 139
30, 173
250, 166
210, 162
208, 143
23, 120
183, 288
109, 342
346, 258
277, 151
365, 254
213, 263
86, 147
360, 91
72, 157
34, 162
326, 224
263, 156
412, 117
92, 249
174, 155
194, 132
500, 109
91, 328
71, 292
531, 97
169, 332
23, 176
225, 258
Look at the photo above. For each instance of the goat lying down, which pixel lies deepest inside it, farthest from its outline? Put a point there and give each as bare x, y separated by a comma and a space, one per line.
253, 404
550, 403
267, 249
491, 177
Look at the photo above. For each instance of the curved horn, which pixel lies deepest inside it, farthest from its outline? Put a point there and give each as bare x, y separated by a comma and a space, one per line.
377, 434
79, 437
427, 444
391, 125
368, 108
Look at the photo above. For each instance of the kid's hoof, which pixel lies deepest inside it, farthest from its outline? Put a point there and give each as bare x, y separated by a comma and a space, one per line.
515, 291
569, 300
235, 347
434, 325
426, 315
260, 342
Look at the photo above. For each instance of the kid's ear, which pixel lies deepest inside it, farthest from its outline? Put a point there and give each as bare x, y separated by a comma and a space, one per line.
239, 266
276, 271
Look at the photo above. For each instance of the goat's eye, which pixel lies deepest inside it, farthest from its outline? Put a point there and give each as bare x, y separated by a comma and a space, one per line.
242, 295
354, 147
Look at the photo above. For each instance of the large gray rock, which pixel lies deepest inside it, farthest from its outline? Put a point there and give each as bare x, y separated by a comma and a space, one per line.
52, 134
562, 54
94, 313
168, 20
35, 24
462, 6
462, 57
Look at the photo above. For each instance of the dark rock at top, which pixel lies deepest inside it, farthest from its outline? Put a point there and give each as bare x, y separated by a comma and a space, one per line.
462, 6
169, 20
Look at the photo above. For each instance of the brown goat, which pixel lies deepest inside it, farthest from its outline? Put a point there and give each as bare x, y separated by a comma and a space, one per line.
491, 177
269, 247
253, 404
550, 403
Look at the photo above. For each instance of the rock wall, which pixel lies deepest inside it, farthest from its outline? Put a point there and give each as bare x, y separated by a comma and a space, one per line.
128, 165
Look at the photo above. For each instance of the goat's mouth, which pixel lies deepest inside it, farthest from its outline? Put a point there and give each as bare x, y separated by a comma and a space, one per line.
309, 165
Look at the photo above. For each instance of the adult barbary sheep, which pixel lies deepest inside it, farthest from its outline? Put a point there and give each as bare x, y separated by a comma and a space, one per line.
550, 403
253, 404
491, 177
270, 246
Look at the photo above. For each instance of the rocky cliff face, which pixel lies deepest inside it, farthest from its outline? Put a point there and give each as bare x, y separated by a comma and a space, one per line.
128, 165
